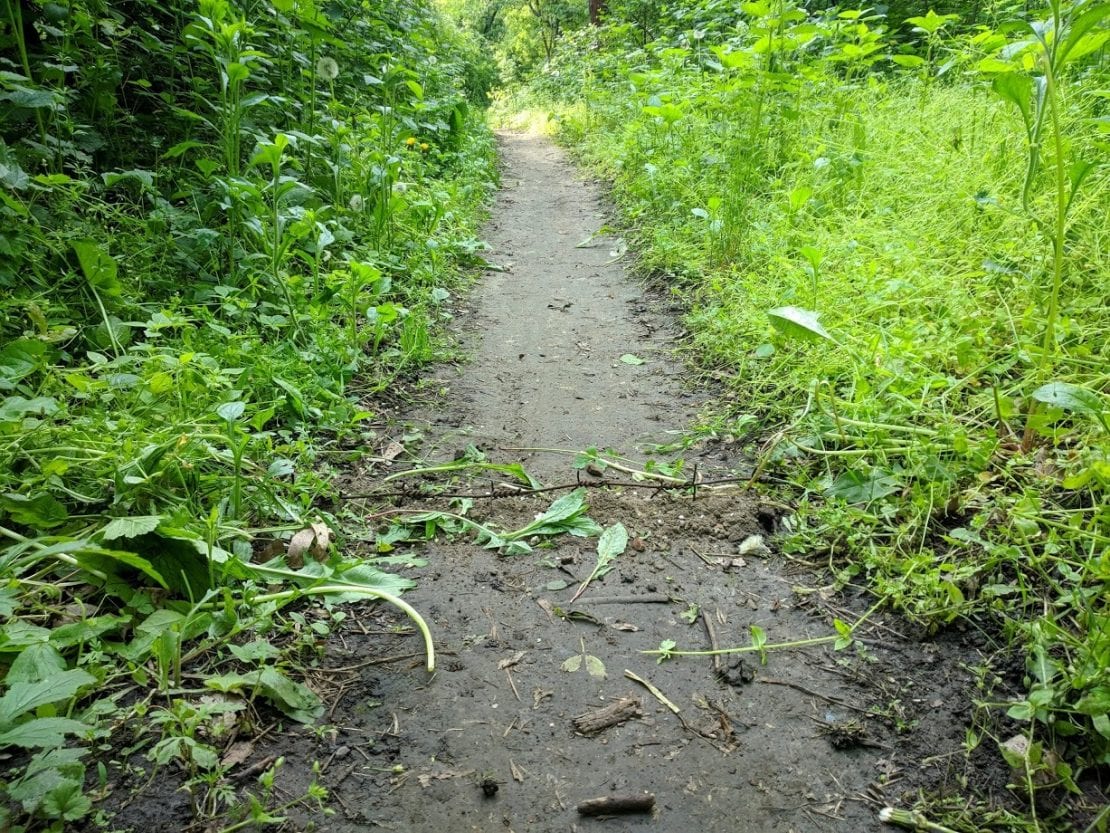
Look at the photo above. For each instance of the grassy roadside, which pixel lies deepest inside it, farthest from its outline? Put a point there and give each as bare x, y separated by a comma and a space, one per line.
869, 262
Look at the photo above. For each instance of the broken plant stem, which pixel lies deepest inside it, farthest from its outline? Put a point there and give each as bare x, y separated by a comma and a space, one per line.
389, 598
747, 649
911, 820
758, 646
656, 693
609, 463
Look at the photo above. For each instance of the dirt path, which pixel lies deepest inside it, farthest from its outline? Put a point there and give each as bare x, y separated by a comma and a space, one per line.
809, 741
787, 746
547, 334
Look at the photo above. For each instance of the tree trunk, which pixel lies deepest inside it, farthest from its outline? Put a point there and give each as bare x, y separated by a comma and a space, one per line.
597, 9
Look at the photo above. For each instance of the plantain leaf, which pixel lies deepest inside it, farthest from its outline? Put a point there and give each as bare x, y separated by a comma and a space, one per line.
1070, 397
798, 323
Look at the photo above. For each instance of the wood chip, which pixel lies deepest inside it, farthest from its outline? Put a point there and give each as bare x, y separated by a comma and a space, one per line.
617, 712
612, 805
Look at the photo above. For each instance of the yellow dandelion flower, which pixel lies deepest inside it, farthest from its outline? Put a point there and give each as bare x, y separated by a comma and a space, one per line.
424, 146
410, 141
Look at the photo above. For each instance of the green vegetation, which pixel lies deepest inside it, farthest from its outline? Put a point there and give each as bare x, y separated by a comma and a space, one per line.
221, 226
891, 237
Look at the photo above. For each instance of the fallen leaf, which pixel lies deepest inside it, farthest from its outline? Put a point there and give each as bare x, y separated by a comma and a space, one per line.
594, 666
625, 626
238, 753
558, 584
319, 547
425, 779
630, 358
754, 545
392, 451
511, 661
518, 773
270, 549
572, 664
299, 544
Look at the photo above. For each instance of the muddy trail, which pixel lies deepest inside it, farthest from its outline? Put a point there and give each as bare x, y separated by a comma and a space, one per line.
539, 702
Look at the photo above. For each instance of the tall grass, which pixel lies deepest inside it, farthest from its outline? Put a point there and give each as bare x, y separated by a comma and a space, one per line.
883, 210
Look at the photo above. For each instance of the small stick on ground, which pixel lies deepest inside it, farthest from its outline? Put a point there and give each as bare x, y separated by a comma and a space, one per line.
648, 598
816, 694
255, 768
711, 632
612, 805
598, 720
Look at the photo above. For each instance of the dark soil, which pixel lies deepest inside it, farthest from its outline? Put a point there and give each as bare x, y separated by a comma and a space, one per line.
810, 739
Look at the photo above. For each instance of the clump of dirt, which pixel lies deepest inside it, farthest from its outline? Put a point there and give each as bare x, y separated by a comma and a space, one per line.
506, 735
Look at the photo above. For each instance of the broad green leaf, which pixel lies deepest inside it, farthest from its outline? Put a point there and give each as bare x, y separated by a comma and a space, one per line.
130, 527
563, 509
113, 177
1070, 397
629, 358
1018, 90
42, 511
17, 407
859, 487
36, 663
252, 652
1043, 667
798, 323
594, 666
799, 196
231, 411
572, 664
932, 22
42, 733
21, 698
612, 543
294, 699
1078, 172
1101, 722
100, 268
106, 561
66, 801
181, 148
1078, 43
29, 98
908, 61
19, 359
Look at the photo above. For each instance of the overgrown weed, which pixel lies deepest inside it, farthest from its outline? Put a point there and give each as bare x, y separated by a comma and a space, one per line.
931, 377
